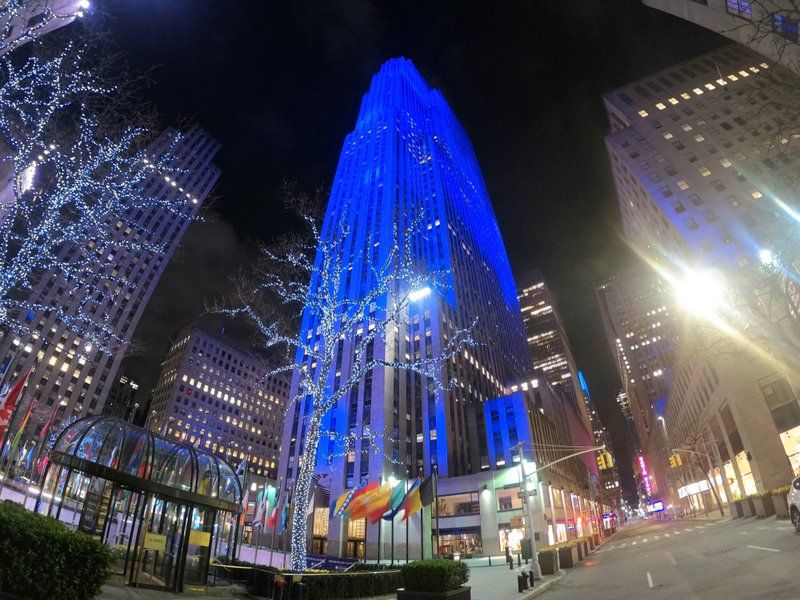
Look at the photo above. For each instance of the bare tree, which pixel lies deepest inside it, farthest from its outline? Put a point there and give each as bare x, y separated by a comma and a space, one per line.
305, 277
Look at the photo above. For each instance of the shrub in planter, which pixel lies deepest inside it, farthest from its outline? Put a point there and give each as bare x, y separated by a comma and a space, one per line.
763, 505
548, 560
436, 576
748, 507
43, 560
779, 501
567, 556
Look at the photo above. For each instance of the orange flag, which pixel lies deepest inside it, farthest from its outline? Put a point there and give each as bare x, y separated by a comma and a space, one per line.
359, 506
379, 503
10, 401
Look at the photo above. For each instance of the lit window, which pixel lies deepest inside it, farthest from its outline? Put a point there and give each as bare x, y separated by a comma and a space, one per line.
643, 113
661, 106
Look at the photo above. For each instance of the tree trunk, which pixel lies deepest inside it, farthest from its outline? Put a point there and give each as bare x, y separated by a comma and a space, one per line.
301, 495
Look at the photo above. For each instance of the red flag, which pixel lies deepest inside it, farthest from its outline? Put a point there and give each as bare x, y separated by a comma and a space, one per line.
274, 516
10, 401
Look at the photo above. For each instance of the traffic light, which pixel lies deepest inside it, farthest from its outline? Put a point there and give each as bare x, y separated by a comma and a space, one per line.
605, 461
675, 461
601, 461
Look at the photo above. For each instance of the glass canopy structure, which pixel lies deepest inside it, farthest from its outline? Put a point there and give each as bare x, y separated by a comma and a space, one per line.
161, 504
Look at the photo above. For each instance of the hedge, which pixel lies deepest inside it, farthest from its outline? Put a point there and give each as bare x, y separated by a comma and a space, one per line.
434, 575
325, 586
43, 560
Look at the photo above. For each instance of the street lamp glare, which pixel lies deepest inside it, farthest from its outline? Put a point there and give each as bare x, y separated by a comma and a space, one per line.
766, 257
701, 292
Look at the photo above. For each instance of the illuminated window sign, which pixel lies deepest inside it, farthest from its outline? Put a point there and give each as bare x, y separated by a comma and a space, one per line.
655, 507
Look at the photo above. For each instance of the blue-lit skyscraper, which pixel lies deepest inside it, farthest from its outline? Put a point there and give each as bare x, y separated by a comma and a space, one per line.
407, 156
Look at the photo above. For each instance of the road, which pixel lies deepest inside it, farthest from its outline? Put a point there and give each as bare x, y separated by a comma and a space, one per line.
726, 559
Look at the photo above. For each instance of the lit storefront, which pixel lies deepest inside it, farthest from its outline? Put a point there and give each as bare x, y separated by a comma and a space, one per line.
791, 444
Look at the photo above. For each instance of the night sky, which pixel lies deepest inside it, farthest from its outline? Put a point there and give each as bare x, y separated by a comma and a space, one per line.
279, 85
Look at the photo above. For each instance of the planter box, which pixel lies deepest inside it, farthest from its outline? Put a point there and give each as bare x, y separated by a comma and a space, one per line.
462, 593
568, 557
592, 546
596, 538
748, 507
780, 506
581, 553
737, 512
548, 562
763, 505
585, 548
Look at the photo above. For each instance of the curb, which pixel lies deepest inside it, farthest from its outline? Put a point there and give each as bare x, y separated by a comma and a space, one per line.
544, 586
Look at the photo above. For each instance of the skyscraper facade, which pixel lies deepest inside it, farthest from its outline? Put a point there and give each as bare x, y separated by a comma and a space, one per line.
64, 367
770, 28
706, 177
408, 156
216, 394
548, 341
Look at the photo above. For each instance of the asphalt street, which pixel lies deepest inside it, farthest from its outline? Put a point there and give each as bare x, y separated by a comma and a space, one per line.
732, 558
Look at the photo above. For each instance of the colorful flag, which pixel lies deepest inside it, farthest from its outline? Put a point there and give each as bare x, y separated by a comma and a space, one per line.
22, 425
420, 496
379, 503
273, 517
10, 401
396, 500
368, 501
285, 516
399, 507
261, 509
349, 496
357, 497
243, 514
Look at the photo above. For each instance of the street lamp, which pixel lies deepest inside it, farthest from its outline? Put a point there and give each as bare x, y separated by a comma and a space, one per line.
701, 292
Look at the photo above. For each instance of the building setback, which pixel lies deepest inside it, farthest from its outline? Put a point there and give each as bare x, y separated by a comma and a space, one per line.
701, 167
217, 395
63, 366
408, 154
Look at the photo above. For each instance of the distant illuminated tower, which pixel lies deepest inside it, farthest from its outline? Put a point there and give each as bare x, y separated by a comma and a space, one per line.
548, 341
409, 153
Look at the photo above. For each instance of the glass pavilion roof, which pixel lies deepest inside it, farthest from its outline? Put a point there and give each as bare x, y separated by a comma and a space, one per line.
126, 453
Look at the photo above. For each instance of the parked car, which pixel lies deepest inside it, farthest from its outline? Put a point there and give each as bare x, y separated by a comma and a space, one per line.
793, 499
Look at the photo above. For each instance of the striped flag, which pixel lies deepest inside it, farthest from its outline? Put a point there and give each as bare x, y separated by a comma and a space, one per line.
10, 401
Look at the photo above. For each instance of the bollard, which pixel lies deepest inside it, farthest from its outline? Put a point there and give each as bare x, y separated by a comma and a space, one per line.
511, 565
530, 574
519, 560
520, 583
490, 560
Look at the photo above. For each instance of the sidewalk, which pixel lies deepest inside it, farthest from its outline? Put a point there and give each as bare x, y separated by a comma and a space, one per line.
500, 583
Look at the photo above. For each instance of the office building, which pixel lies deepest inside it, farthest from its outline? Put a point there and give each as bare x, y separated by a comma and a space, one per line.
408, 154
770, 27
24, 20
65, 367
548, 341
121, 401
217, 395
705, 180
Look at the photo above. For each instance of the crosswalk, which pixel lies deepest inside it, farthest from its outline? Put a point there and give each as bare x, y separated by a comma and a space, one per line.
658, 537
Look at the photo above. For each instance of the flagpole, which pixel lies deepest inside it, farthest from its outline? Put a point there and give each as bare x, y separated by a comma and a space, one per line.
4, 458
421, 525
391, 564
238, 539
275, 523
408, 480
436, 505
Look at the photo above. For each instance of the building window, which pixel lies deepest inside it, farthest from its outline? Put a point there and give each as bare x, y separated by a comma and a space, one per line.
740, 8
466, 542
508, 498
458, 504
786, 26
